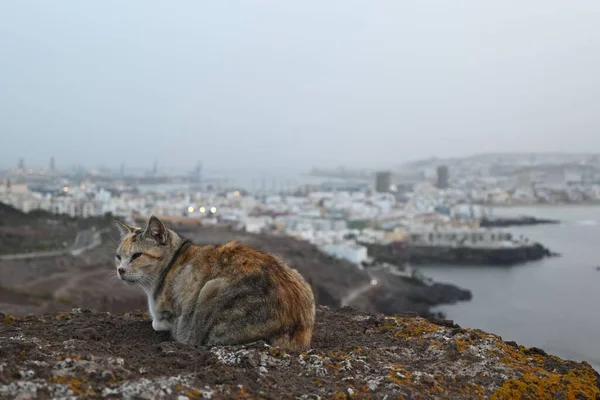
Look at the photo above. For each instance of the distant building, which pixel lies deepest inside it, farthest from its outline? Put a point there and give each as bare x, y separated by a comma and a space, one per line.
52, 164
555, 176
196, 174
524, 179
76, 207
573, 176
22, 164
442, 177
10, 188
347, 251
383, 181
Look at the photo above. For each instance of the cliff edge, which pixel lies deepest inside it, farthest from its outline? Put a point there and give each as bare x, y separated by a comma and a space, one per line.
355, 355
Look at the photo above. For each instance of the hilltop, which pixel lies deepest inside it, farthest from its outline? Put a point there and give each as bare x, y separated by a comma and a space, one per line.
83, 354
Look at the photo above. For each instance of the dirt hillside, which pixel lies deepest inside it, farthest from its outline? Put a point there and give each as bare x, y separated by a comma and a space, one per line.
89, 280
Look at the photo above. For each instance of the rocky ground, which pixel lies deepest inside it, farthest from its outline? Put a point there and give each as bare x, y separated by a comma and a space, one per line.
84, 354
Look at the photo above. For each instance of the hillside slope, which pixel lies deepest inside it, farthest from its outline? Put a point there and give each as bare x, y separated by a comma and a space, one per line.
89, 280
333, 280
40, 230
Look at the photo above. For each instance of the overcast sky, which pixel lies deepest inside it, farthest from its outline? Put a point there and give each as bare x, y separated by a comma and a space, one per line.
292, 84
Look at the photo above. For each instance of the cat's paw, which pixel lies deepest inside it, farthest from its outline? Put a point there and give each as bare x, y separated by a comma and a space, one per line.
161, 325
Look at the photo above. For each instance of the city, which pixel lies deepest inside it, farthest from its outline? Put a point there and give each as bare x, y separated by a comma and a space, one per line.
339, 215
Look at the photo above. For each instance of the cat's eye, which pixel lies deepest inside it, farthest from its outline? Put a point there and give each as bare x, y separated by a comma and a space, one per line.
135, 255
118, 257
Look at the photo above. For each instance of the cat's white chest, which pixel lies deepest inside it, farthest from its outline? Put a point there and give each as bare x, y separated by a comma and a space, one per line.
158, 324
152, 306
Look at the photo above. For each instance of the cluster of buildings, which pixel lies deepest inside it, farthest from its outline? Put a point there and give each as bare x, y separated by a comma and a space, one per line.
512, 179
76, 201
431, 202
495, 179
340, 222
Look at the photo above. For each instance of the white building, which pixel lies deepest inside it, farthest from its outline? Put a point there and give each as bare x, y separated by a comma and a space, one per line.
9, 188
348, 251
256, 224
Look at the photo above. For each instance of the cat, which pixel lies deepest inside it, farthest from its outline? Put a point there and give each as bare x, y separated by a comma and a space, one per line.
221, 295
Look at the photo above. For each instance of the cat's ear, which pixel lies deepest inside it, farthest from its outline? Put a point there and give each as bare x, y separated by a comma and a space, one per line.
157, 230
124, 229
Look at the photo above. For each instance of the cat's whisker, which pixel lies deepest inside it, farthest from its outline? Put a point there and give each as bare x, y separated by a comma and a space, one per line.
108, 245
146, 283
115, 241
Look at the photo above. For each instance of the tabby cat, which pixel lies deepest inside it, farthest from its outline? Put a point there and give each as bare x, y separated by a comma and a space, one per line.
215, 295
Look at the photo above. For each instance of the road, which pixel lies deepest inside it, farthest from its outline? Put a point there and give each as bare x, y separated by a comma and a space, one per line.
85, 240
353, 295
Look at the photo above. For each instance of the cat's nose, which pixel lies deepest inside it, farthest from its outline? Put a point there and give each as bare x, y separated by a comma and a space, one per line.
121, 271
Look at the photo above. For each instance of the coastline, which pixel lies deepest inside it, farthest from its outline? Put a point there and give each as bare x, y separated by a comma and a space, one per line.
545, 205
547, 303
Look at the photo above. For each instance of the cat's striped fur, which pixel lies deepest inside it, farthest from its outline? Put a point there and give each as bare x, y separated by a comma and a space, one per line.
216, 295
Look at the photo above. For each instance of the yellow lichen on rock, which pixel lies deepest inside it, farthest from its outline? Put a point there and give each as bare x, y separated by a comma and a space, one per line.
400, 376
9, 319
547, 385
529, 370
405, 328
416, 327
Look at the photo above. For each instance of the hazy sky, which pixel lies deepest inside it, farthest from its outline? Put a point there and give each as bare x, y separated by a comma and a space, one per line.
284, 84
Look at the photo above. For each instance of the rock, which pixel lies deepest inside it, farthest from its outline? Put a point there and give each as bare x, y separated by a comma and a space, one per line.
467, 255
517, 221
354, 354
87, 334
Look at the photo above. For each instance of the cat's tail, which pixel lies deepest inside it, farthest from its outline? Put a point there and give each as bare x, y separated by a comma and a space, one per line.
299, 340
299, 337
297, 311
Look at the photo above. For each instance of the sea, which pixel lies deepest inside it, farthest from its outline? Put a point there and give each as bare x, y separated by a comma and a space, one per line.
553, 304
